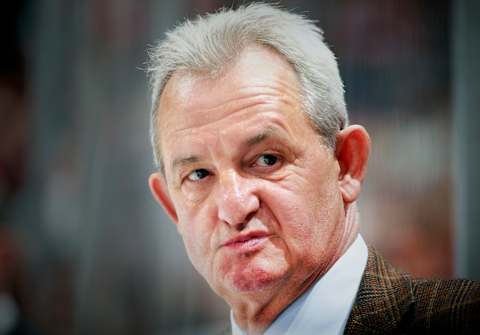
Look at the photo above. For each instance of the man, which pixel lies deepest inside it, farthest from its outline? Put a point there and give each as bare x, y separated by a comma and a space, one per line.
260, 172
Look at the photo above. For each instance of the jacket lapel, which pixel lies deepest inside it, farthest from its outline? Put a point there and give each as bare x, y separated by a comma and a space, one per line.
384, 302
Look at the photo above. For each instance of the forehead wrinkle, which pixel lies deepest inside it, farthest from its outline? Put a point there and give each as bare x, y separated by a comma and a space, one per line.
281, 91
208, 123
245, 93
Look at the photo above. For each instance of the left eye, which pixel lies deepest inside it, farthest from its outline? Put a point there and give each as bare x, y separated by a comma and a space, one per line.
266, 160
198, 174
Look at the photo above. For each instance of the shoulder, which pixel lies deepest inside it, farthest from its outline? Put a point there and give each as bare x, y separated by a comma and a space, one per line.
390, 301
448, 306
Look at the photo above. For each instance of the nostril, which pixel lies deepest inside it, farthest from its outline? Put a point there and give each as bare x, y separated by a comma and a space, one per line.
249, 217
240, 226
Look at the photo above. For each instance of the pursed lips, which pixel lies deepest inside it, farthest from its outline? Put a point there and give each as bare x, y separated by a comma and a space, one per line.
247, 240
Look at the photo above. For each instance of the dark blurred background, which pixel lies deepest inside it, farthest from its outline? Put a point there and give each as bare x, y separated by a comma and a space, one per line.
84, 249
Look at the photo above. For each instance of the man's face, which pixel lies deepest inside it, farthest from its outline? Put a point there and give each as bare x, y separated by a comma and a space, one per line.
252, 188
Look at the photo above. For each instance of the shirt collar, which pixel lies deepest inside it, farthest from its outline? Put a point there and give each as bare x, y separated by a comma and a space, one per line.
326, 305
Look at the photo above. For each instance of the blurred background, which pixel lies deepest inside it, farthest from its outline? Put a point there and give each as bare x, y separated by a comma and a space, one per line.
84, 249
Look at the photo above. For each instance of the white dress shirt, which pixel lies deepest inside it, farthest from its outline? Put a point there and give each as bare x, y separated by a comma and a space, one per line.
325, 307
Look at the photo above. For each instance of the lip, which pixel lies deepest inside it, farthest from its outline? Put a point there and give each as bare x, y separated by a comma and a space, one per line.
247, 242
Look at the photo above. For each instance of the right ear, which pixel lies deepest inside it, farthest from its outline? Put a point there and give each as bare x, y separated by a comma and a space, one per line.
158, 186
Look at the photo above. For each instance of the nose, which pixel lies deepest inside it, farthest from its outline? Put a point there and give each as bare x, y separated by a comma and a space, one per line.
237, 201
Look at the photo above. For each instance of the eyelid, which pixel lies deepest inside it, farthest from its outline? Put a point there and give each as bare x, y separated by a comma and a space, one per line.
279, 156
184, 175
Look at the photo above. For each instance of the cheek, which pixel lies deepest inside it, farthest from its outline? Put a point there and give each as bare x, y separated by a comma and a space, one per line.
196, 231
307, 215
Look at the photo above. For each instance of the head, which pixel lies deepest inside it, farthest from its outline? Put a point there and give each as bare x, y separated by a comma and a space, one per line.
257, 167
210, 43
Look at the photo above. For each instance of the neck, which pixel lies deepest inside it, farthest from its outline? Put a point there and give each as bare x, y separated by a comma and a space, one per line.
254, 316
350, 230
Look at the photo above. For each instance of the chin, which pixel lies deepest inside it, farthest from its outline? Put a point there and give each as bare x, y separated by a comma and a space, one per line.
253, 279
249, 273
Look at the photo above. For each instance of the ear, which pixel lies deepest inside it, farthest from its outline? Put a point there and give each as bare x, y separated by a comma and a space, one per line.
352, 151
158, 186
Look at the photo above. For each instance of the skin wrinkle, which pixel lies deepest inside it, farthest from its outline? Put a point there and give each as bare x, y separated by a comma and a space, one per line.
178, 134
258, 99
184, 133
186, 83
297, 200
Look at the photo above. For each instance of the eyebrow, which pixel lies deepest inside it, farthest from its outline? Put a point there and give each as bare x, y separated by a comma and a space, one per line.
184, 161
266, 133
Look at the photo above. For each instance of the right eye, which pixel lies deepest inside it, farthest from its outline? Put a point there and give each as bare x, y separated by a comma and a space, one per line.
197, 174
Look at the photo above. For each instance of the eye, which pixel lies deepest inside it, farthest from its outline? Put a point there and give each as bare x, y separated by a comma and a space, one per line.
197, 174
266, 160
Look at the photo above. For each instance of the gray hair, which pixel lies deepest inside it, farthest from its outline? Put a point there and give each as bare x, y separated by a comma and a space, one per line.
210, 42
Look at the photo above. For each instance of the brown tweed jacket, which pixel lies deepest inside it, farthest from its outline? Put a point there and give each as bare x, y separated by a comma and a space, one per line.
391, 302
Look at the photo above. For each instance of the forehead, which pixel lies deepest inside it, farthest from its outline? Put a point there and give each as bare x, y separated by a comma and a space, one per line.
258, 79
256, 66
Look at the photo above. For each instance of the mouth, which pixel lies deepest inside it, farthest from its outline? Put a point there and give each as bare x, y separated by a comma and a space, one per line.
247, 242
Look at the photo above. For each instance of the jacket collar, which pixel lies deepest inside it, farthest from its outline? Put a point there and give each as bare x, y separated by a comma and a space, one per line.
385, 300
